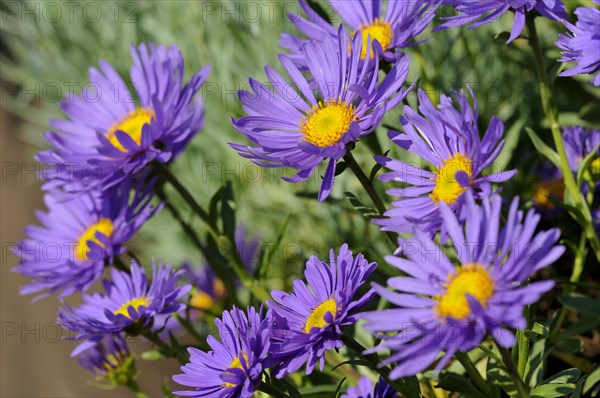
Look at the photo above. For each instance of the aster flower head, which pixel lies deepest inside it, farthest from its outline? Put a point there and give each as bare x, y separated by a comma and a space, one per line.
78, 235
300, 129
130, 300
364, 389
308, 321
235, 363
448, 139
579, 143
110, 360
395, 28
108, 137
447, 307
581, 44
481, 12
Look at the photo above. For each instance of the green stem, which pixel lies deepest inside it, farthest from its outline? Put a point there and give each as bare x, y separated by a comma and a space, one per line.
522, 390
165, 172
570, 288
551, 110
165, 348
190, 329
272, 391
369, 188
473, 373
137, 391
372, 359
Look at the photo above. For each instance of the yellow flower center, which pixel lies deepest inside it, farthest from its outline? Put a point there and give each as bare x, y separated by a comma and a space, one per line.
113, 361
135, 302
595, 166
547, 189
472, 279
104, 226
447, 189
131, 125
326, 122
316, 319
236, 364
378, 30
202, 301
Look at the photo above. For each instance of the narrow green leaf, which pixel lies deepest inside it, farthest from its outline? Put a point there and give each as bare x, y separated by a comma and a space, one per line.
542, 148
582, 304
540, 329
592, 379
366, 211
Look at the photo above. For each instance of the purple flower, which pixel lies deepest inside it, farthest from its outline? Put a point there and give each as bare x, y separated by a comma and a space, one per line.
450, 306
448, 139
583, 43
309, 322
130, 300
78, 236
110, 354
302, 130
481, 12
110, 137
235, 364
364, 389
579, 143
401, 23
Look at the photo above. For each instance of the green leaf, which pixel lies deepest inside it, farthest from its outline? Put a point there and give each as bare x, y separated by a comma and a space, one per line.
582, 304
340, 167
288, 387
540, 329
368, 212
570, 346
581, 326
319, 391
566, 376
376, 168
339, 387
266, 257
228, 212
458, 384
153, 355
553, 390
592, 379
542, 148
585, 165
359, 362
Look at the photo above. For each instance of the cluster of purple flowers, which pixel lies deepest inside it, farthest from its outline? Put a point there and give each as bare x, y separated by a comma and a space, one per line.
341, 82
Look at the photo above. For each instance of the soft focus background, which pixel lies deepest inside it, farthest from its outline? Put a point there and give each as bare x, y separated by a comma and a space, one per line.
47, 48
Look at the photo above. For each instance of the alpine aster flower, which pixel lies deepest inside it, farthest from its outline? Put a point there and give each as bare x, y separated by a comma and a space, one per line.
109, 137
448, 139
481, 12
394, 29
234, 366
107, 357
302, 130
78, 236
582, 44
309, 322
579, 143
130, 300
450, 307
364, 389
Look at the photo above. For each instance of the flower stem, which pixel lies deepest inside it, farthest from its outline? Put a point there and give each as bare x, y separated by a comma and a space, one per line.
522, 390
473, 373
551, 110
165, 348
369, 188
372, 359
272, 391
137, 391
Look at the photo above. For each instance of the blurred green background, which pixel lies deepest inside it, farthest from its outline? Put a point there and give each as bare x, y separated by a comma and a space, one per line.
47, 48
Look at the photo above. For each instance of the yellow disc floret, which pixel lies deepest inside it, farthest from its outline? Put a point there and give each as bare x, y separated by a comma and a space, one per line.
546, 189
379, 30
103, 226
471, 279
326, 122
447, 189
236, 364
316, 319
131, 125
135, 302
